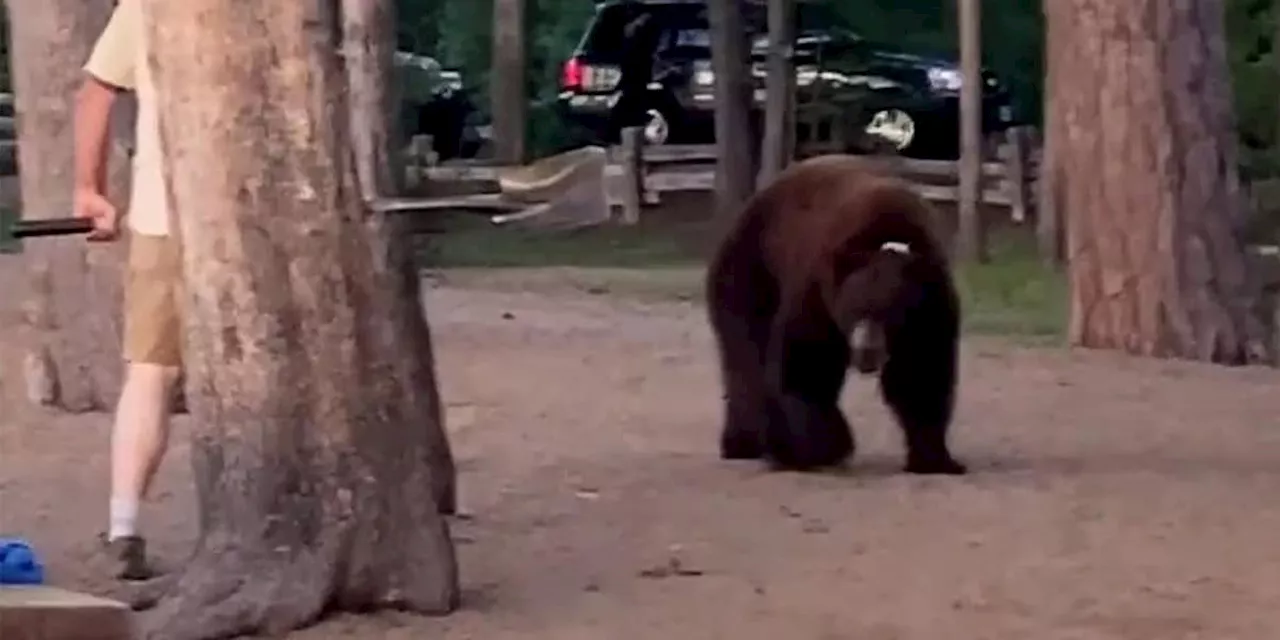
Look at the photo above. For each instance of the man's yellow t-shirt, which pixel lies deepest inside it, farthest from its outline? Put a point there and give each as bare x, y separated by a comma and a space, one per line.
119, 59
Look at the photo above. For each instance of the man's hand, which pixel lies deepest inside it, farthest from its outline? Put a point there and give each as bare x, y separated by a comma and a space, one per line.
94, 206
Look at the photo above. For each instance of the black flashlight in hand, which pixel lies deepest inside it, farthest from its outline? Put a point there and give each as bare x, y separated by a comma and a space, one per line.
48, 227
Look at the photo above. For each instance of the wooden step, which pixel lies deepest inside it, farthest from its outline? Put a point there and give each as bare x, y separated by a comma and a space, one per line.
49, 613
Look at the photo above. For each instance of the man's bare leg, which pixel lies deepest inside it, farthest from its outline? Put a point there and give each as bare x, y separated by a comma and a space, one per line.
138, 442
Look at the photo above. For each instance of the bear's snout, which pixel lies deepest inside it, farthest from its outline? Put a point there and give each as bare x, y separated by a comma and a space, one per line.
867, 350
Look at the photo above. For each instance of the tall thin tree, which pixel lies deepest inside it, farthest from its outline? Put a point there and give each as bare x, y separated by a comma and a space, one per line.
736, 147
972, 243
507, 80
778, 145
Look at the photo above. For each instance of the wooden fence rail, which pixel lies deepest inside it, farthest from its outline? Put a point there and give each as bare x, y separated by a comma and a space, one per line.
1009, 178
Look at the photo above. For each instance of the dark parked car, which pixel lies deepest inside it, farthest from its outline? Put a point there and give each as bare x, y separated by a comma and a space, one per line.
909, 99
435, 103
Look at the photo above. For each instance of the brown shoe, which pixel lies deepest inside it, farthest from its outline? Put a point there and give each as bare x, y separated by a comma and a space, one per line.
129, 554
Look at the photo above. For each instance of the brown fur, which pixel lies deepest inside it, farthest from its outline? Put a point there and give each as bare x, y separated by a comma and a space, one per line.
804, 263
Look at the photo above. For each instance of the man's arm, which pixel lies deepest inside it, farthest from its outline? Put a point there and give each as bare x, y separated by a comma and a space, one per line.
92, 130
108, 71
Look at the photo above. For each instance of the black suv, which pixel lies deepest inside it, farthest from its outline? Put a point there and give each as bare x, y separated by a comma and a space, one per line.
910, 100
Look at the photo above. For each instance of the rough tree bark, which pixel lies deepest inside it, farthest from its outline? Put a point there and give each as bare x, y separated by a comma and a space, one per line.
971, 240
506, 82
368, 50
1147, 171
1050, 214
369, 28
778, 145
72, 312
314, 480
736, 147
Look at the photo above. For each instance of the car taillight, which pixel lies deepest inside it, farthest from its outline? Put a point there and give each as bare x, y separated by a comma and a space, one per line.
571, 74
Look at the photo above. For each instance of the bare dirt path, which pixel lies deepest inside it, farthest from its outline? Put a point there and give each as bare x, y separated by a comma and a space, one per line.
1111, 498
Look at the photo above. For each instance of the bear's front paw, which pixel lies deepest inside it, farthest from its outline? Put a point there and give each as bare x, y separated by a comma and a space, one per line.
740, 444
805, 437
935, 465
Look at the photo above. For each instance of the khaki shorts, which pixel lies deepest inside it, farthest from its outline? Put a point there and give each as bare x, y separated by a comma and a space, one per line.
152, 301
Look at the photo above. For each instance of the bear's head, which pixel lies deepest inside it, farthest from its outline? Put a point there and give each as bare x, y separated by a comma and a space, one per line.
871, 302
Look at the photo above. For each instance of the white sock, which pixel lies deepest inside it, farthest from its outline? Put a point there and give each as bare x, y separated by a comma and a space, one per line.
124, 518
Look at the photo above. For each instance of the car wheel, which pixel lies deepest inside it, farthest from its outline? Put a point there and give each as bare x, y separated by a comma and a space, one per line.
657, 127
894, 125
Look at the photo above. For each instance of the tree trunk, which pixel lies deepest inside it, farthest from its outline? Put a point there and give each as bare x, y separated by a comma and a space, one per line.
1148, 175
311, 441
972, 245
369, 46
506, 81
778, 147
1051, 212
736, 146
72, 331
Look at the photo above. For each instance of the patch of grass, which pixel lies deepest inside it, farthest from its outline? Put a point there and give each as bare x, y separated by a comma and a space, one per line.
472, 242
1012, 295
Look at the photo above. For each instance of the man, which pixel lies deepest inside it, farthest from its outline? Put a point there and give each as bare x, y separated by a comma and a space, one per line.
152, 282
639, 43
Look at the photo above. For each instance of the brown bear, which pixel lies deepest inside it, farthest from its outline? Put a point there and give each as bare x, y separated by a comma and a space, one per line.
833, 265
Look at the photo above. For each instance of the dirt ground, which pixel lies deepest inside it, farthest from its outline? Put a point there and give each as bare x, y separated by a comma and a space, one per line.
1110, 498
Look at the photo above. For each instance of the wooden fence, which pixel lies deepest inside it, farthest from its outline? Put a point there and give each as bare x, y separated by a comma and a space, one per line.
1008, 178
636, 178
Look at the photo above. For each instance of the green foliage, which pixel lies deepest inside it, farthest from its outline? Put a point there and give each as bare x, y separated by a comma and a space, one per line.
8, 244
1251, 31
556, 27
472, 242
1013, 295
417, 25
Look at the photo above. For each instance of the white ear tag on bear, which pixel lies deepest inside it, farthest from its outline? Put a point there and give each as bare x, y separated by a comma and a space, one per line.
896, 247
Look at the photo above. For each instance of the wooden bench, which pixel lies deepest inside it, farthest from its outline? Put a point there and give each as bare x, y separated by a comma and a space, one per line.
48, 613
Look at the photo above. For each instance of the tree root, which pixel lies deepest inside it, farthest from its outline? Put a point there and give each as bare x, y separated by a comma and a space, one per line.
226, 591
225, 595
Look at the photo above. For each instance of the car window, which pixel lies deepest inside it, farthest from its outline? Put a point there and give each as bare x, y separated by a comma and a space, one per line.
817, 24
684, 23
700, 38
689, 26
605, 34
818, 17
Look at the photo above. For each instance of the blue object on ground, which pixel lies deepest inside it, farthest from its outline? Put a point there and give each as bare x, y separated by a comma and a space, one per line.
18, 563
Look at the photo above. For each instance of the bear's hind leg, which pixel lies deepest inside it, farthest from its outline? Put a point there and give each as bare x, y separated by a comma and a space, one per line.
741, 305
919, 384
745, 416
